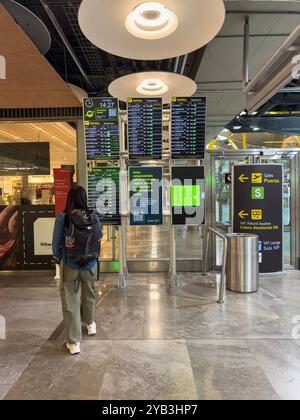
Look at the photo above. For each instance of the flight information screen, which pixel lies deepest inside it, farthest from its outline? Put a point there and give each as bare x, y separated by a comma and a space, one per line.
146, 201
104, 193
145, 128
188, 195
188, 127
101, 122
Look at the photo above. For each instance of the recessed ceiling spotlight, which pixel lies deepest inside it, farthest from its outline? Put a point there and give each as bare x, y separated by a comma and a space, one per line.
152, 87
151, 20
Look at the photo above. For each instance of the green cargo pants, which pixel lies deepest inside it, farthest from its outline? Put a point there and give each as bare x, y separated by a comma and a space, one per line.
78, 298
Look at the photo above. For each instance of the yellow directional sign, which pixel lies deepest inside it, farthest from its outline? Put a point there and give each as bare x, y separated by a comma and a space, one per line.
243, 214
257, 209
257, 214
257, 178
243, 178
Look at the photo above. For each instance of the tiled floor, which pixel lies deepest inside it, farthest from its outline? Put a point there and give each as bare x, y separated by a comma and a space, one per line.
30, 305
154, 342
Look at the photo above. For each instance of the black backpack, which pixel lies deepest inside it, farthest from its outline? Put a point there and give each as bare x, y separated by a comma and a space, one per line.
82, 238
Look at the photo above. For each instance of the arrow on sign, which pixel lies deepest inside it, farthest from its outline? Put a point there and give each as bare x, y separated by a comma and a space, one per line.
243, 178
243, 214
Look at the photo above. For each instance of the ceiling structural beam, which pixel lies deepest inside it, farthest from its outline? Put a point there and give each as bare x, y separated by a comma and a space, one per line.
284, 99
290, 90
275, 75
246, 52
193, 63
219, 82
230, 36
67, 44
266, 108
176, 66
286, 47
180, 64
218, 91
183, 64
263, 12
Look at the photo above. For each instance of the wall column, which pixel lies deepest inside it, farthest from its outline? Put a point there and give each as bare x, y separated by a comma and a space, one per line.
81, 155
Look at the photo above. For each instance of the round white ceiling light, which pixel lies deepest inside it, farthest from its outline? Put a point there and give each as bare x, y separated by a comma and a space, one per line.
152, 84
150, 87
151, 30
151, 20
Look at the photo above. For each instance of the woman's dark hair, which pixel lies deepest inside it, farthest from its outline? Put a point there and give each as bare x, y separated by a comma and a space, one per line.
77, 200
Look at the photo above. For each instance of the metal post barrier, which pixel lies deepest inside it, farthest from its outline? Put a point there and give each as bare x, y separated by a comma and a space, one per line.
122, 278
114, 243
123, 275
173, 248
206, 256
209, 233
173, 258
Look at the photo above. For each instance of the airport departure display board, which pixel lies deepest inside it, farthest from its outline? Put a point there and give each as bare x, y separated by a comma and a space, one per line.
145, 128
258, 210
188, 127
146, 201
101, 123
104, 193
188, 196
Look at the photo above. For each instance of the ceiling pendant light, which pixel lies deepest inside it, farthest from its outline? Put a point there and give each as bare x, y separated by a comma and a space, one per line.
151, 30
150, 87
151, 20
152, 84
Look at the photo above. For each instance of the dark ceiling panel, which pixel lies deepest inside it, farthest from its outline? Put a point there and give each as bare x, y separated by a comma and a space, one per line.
101, 67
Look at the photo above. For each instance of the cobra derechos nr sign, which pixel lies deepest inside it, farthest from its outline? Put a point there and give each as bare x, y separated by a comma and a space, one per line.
2, 67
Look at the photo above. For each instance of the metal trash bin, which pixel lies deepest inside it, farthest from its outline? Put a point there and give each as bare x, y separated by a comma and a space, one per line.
242, 263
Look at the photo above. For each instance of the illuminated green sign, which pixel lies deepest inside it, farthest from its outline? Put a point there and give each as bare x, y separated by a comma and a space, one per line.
186, 196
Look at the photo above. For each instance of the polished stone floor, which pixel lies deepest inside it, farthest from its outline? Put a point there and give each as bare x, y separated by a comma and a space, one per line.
154, 342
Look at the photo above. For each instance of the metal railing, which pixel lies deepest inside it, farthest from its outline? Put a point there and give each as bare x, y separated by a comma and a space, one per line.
209, 233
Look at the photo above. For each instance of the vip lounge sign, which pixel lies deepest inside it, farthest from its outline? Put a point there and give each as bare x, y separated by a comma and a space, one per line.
2, 67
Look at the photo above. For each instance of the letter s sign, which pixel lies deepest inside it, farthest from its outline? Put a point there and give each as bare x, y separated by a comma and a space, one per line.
2, 68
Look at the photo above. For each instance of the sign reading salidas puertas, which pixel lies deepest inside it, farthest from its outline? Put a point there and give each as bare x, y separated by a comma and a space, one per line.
258, 210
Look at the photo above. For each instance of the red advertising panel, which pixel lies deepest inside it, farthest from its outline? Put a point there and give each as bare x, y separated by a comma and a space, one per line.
62, 186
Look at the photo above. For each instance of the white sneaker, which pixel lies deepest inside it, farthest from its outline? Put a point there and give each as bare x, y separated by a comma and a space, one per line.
92, 329
73, 348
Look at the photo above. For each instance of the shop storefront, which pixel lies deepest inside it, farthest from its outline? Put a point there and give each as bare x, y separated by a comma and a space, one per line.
29, 152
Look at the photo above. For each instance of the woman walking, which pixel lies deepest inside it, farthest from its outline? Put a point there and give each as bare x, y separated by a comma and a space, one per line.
76, 247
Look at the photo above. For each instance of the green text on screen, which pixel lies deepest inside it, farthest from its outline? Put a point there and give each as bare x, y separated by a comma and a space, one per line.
186, 196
